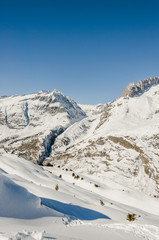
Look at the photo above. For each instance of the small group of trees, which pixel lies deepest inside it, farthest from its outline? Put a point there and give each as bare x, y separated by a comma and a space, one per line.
131, 217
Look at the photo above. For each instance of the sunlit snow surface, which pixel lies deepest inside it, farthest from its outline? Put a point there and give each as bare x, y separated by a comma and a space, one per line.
31, 208
72, 212
120, 142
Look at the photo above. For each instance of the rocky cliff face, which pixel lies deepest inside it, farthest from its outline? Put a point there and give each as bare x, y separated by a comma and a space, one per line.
139, 88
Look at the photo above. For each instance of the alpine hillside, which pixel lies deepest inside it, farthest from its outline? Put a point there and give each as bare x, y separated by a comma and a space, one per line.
117, 141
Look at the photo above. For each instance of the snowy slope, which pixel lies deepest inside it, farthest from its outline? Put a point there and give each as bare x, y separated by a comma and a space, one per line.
93, 109
74, 211
120, 143
118, 140
105, 162
17, 202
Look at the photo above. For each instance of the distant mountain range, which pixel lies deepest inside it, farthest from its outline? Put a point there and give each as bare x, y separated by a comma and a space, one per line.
119, 140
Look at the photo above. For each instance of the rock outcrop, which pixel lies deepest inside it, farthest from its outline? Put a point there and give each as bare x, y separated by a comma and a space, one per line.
139, 88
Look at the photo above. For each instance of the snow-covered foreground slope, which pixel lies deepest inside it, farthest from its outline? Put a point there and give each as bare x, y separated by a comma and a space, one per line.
83, 207
17, 202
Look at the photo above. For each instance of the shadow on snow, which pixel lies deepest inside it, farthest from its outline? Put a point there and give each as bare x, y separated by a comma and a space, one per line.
76, 211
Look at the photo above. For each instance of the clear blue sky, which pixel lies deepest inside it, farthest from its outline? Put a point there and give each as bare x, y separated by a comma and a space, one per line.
89, 50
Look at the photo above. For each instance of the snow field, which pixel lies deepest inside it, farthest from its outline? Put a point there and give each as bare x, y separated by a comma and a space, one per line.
74, 211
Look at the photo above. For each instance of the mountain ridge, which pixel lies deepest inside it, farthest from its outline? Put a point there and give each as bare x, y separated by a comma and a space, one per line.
118, 140
33, 121
140, 87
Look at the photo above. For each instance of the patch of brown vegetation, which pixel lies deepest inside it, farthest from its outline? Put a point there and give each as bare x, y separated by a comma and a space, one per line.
119, 104
106, 163
32, 145
101, 141
97, 154
29, 150
90, 142
88, 154
144, 159
134, 171
126, 144
152, 141
130, 138
63, 156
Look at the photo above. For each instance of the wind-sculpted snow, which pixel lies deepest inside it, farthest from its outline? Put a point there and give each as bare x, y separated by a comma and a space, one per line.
17, 202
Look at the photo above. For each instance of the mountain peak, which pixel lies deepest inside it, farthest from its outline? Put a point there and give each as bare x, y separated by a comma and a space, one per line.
56, 91
133, 89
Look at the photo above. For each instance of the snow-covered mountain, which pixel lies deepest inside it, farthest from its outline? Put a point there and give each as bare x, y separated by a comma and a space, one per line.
29, 124
118, 140
105, 162
121, 142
